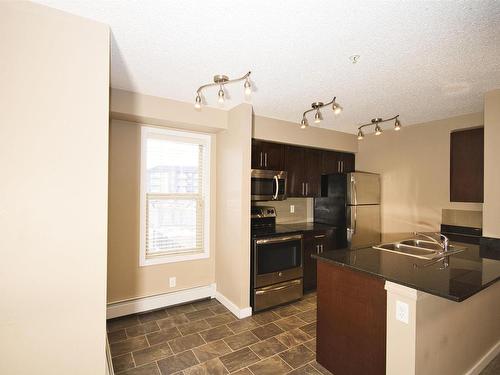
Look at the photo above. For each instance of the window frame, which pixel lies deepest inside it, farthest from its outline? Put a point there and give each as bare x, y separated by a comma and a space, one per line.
175, 135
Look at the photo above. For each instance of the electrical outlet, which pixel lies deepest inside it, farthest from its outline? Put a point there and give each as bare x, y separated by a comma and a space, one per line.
172, 281
402, 312
292, 208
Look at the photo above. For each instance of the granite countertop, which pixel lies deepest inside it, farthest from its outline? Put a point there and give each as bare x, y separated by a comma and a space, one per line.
291, 228
468, 272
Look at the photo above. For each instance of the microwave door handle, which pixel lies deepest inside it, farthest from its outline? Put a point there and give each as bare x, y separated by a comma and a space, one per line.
275, 196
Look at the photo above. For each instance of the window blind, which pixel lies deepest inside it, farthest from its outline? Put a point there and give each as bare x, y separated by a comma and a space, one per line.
175, 199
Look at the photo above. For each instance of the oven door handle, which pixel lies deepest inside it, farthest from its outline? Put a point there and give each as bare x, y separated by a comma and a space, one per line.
278, 239
269, 289
275, 196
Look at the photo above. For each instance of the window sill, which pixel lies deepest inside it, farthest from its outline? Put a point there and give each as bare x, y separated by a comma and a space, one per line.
172, 259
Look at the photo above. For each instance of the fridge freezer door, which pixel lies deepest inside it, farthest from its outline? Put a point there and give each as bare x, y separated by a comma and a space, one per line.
363, 188
363, 226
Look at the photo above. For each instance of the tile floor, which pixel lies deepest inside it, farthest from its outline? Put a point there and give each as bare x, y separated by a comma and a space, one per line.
205, 338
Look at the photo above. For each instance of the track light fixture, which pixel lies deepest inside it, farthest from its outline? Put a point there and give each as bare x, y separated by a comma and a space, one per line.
318, 117
376, 122
221, 80
397, 124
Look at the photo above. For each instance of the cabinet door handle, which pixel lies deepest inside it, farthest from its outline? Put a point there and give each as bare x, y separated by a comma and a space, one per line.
320, 236
265, 159
317, 249
342, 166
321, 248
307, 187
338, 167
260, 159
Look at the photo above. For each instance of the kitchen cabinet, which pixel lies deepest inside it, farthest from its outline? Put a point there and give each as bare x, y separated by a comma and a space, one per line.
351, 338
337, 162
467, 165
304, 171
315, 243
347, 162
267, 155
304, 165
294, 165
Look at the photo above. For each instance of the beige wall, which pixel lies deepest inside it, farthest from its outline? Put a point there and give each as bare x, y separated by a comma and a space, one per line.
232, 261
414, 164
452, 337
288, 132
491, 214
126, 280
54, 70
153, 110
442, 337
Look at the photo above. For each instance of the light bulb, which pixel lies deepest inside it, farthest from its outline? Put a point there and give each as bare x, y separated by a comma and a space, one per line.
397, 125
378, 130
248, 87
220, 94
360, 134
304, 124
197, 102
336, 108
317, 117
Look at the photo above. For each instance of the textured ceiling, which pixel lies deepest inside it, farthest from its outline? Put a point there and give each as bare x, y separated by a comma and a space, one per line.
423, 60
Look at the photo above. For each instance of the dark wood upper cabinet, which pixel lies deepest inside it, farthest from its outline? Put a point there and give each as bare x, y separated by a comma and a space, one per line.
347, 162
312, 160
337, 162
304, 165
304, 171
330, 162
267, 155
467, 165
295, 166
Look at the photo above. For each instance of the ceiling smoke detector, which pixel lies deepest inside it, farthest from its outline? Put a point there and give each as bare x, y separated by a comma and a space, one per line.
354, 58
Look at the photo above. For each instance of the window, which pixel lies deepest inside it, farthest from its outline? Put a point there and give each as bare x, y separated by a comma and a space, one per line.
175, 191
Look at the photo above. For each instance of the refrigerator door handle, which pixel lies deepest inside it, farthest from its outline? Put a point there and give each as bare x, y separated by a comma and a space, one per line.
354, 193
352, 219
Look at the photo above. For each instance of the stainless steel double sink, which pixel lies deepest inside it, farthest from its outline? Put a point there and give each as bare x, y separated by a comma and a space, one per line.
421, 249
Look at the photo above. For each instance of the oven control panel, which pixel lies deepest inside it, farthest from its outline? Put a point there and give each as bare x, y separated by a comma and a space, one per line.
262, 211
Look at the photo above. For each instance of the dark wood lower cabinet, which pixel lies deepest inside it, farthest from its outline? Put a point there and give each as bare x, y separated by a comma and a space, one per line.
315, 242
351, 328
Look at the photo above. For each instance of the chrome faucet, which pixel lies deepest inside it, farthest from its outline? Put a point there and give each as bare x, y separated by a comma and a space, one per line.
443, 240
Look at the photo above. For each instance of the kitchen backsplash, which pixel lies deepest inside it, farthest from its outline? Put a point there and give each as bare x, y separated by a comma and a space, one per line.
303, 210
462, 218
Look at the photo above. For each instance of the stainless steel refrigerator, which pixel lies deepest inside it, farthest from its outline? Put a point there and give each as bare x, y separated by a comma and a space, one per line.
351, 202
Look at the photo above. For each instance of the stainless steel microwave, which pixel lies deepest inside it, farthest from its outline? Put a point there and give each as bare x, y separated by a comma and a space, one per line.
268, 185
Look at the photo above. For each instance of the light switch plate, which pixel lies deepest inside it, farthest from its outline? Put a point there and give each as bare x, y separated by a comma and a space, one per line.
292, 208
402, 312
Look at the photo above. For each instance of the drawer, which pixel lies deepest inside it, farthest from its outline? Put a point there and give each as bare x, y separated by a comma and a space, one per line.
277, 294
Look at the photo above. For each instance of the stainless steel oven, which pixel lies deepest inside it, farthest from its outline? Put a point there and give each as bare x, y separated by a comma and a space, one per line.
268, 185
277, 270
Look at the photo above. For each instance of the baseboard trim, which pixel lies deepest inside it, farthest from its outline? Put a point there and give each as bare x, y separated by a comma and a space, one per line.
485, 360
239, 313
139, 305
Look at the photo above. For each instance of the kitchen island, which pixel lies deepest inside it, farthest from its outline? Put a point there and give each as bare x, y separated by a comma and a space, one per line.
386, 313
